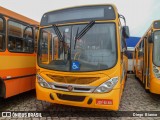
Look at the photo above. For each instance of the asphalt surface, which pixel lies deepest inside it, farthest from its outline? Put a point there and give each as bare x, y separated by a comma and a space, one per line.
134, 99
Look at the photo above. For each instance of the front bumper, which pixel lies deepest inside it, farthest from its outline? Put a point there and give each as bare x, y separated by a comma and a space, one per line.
79, 99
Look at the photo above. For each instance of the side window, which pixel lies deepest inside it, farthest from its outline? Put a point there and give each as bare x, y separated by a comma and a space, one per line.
20, 37
28, 40
2, 35
44, 46
141, 48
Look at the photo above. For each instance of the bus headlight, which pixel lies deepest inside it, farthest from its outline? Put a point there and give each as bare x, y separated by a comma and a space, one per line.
156, 72
42, 82
107, 86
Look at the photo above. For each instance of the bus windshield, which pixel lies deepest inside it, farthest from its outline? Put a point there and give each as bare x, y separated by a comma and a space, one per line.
95, 50
156, 55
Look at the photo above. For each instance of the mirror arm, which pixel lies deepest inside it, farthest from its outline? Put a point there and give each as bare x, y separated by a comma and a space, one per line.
121, 16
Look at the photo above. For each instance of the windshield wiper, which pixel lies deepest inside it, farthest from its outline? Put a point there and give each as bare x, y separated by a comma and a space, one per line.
60, 36
76, 38
58, 33
83, 32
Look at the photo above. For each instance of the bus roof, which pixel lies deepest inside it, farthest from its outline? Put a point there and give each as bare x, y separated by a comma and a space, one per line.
11, 14
74, 14
83, 6
154, 25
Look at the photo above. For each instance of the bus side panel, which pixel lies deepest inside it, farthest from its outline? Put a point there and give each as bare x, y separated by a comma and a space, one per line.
33, 82
20, 85
26, 84
140, 70
137, 63
12, 87
18, 74
140, 62
146, 65
154, 83
133, 62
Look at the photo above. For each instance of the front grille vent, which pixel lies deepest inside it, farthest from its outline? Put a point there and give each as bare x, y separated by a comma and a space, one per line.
72, 79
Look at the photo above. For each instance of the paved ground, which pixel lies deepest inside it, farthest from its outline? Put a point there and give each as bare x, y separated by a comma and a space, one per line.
134, 99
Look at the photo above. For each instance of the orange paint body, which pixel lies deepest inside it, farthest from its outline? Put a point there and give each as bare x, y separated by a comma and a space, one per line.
17, 67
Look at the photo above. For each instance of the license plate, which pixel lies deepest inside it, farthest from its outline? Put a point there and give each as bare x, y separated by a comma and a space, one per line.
104, 102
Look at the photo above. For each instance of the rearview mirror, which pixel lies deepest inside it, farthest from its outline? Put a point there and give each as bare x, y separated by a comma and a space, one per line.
125, 32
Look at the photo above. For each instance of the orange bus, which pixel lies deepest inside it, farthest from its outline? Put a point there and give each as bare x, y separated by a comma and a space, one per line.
82, 57
147, 59
17, 53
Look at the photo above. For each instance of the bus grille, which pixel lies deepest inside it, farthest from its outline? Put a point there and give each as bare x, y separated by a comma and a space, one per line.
73, 80
71, 97
75, 87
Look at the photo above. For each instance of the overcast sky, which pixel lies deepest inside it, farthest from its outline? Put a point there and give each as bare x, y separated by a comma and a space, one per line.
139, 13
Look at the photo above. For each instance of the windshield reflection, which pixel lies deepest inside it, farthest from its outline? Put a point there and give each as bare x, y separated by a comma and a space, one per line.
156, 55
95, 50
